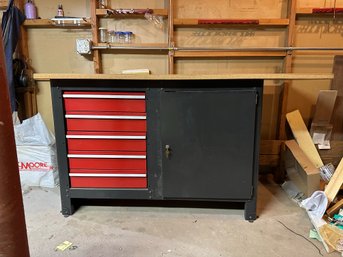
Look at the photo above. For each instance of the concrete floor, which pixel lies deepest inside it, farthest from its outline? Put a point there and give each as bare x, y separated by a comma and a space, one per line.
160, 231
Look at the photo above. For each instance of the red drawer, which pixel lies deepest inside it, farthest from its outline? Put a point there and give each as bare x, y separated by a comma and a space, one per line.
94, 124
104, 101
102, 163
107, 171
98, 144
105, 182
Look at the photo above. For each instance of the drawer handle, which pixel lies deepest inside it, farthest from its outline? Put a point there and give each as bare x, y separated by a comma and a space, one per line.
104, 137
104, 96
109, 117
107, 175
99, 156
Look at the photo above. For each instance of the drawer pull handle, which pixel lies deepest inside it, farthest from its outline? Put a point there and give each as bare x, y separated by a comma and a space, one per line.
107, 175
104, 137
104, 96
110, 117
98, 156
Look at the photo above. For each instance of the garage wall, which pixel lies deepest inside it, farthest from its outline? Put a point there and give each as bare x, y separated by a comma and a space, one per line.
53, 50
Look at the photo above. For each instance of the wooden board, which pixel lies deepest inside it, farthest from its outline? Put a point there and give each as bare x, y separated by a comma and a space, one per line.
324, 106
303, 137
269, 76
337, 84
334, 209
335, 183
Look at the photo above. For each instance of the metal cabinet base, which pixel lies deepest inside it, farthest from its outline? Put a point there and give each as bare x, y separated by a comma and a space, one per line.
193, 140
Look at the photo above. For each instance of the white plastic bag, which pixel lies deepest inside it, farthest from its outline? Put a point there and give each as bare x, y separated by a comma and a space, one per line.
33, 131
36, 153
316, 204
37, 165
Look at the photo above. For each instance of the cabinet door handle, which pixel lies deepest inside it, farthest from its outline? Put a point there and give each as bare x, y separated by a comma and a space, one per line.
168, 151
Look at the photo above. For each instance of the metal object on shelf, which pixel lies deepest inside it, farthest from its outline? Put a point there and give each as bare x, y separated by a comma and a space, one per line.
103, 34
102, 4
128, 11
69, 21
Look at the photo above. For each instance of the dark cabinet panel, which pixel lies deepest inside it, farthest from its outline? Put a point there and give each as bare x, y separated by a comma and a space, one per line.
208, 143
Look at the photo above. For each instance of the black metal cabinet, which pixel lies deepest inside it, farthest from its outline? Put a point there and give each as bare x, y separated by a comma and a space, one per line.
207, 147
202, 140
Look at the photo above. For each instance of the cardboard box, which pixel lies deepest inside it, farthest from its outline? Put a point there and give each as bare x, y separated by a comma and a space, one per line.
300, 170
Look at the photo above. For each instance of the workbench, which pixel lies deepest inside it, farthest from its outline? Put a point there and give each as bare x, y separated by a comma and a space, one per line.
158, 138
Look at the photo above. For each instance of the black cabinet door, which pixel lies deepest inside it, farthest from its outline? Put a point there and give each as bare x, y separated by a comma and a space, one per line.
208, 143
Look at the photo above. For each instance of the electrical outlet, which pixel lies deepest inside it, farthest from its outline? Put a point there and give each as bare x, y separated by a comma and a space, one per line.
84, 46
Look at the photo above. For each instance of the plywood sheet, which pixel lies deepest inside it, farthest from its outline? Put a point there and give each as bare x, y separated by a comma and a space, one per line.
303, 138
319, 3
303, 94
226, 37
53, 50
228, 65
321, 31
230, 9
324, 106
76, 8
141, 4
115, 63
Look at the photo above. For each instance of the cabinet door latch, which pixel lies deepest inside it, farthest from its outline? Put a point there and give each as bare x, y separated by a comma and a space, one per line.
167, 151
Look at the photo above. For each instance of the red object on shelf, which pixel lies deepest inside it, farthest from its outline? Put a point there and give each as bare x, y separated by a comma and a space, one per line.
106, 125
94, 182
327, 10
98, 163
239, 21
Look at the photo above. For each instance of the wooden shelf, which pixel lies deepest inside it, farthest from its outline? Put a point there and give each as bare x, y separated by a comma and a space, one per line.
315, 11
229, 22
223, 54
103, 13
47, 23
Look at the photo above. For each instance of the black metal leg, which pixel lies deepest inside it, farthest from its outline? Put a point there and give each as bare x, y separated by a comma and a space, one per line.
68, 207
250, 210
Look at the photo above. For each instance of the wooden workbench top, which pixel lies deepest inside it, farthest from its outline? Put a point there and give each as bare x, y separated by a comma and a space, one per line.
266, 76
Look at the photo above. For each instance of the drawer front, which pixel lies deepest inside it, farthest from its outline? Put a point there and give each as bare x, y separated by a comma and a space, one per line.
108, 171
98, 163
106, 125
106, 139
98, 144
104, 101
108, 182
